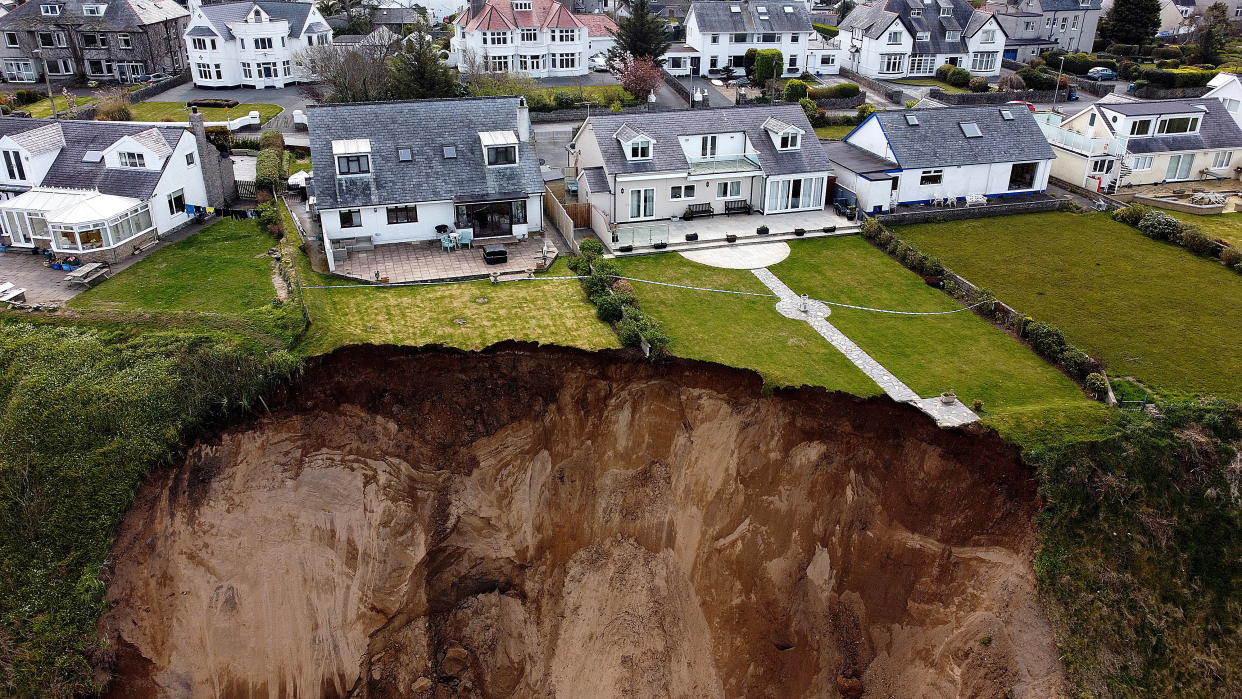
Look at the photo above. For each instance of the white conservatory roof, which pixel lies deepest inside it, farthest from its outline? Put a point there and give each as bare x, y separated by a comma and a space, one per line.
46, 199
100, 207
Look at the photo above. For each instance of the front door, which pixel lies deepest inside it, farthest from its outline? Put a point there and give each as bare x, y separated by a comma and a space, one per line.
695, 62
268, 72
892, 194
642, 203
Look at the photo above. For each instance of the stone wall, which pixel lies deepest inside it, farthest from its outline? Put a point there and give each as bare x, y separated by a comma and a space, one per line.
121, 252
1152, 92
578, 115
1178, 205
975, 98
888, 92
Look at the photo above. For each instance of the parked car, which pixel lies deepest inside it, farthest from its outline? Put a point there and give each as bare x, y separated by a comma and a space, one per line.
599, 64
1024, 103
152, 78
1102, 73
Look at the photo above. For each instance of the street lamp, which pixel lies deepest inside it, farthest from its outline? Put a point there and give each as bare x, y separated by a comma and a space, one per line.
38, 53
1057, 89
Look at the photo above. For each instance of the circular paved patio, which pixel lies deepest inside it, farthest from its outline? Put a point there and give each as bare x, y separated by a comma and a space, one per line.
741, 256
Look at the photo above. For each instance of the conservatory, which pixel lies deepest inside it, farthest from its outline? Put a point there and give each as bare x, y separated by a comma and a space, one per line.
73, 220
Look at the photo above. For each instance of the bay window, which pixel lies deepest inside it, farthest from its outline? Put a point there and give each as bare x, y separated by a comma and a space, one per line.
892, 62
983, 62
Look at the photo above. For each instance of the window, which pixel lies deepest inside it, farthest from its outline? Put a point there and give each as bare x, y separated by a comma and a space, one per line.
894, 37
713, 63
953, 36
769, 38
676, 62
732, 188
1064, 23
263, 44
1048, 23
707, 146
681, 191
204, 70
988, 36
10, 39
189, 160
18, 70
1173, 125
564, 60
715, 38
640, 149
49, 10
496, 38
498, 64
133, 160
13, 164
828, 59
405, 154
203, 44
176, 202
1231, 104
530, 62
247, 71
1006, 114
351, 218
916, 12
1074, 22
971, 129
794, 38
789, 140
892, 62
929, 177
501, 155
741, 38
60, 66
1222, 159
402, 214
530, 36
353, 164
922, 36
1141, 162
796, 193
1140, 127
1101, 167
124, 41
99, 68
1028, 26
1022, 175
983, 62
93, 10
284, 68
521, 5
946, 11
94, 41
51, 39
922, 63
564, 35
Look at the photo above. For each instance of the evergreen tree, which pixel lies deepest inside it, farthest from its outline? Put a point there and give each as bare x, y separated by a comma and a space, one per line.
1214, 33
1131, 22
418, 72
643, 34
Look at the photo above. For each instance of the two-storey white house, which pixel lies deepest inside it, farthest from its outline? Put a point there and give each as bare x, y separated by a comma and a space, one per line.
907, 38
647, 167
98, 189
1033, 26
718, 34
252, 44
399, 172
1227, 87
919, 155
537, 38
1113, 144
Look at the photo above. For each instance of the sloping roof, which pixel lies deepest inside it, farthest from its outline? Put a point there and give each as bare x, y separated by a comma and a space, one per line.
665, 128
1154, 107
1067, 5
41, 139
1217, 129
873, 20
117, 15
597, 180
499, 15
201, 31
228, 13
560, 16
155, 141
938, 140
714, 16
850, 157
426, 126
70, 171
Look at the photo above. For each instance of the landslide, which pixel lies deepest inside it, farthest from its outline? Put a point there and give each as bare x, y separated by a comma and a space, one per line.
534, 521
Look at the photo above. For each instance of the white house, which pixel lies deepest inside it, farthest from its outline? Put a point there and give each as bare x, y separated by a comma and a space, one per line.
718, 34
394, 172
903, 38
538, 38
919, 155
646, 167
1227, 87
252, 44
1042, 25
98, 189
1113, 144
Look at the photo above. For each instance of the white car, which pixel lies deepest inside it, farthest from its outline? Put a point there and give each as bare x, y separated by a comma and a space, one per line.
599, 64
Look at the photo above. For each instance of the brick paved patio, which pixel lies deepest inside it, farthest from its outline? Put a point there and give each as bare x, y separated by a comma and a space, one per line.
427, 261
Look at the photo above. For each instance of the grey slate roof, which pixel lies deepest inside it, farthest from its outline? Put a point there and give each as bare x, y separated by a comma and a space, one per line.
667, 154
875, 19
68, 170
597, 180
938, 140
221, 16
1067, 5
1217, 129
201, 31
426, 126
118, 16
855, 159
714, 16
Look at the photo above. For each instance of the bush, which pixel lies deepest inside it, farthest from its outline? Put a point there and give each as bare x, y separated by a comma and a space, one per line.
863, 111
942, 73
1165, 52
1132, 214
883, 238
1128, 70
1168, 64
1160, 226
1047, 340
220, 137
1011, 82
636, 326
825, 30
1177, 78
768, 64
1080, 63
610, 307
795, 90
871, 229
839, 91
749, 58
25, 97
958, 77
269, 168
114, 107
933, 267
247, 144
1123, 49
1036, 62
979, 84
213, 103
1231, 256
1097, 384
268, 215
615, 107
272, 139
1037, 80
1075, 362
1194, 240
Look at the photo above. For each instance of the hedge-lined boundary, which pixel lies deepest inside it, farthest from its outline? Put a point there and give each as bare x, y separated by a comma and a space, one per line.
1158, 225
1044, 339
614, 299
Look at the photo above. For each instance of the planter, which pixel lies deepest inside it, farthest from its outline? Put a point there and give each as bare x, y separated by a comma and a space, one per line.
730, 238
55, 265
830, 229
692, 237
799, 232
626, 248
660, 245
761, 230
948, 398
383, 280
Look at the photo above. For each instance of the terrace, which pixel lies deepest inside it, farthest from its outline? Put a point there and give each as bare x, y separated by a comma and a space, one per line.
715, 231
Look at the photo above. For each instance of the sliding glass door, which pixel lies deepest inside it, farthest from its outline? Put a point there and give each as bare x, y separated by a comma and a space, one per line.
795, 194
1179, 167
642, 203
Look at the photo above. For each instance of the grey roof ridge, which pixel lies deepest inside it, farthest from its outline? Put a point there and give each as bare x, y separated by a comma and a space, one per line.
413, 101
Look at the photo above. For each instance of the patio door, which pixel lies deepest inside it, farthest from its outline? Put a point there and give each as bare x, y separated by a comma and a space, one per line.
1179, 167
642, 203
795, 194
129, 72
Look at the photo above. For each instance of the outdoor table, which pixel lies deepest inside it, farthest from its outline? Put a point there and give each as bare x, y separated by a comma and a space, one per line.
495, 254
88, 273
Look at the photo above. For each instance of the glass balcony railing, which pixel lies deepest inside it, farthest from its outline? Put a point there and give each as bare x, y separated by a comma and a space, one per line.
640, 234
713, 164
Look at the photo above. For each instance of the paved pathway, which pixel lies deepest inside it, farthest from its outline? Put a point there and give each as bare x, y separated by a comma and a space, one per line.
740, 257
816, 314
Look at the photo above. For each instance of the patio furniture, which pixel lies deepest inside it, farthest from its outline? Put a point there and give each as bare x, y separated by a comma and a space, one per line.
495, 254
446, 242
976, 200
694, 210
11, 294
88, 275
736, 206
465, 237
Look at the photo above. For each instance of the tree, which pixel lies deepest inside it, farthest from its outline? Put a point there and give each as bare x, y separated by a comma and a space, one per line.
357, 74
844, 9
417, 71
768, 64
1131, 22
643, 34
728, 73
1214, 33
640, 76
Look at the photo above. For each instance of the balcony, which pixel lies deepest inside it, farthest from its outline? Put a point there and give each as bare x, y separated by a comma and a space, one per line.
721, 164
1079, 143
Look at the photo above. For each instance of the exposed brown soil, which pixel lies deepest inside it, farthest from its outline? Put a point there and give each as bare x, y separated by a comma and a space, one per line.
539, 522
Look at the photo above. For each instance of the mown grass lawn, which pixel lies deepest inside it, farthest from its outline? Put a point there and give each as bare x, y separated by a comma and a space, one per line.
177, 111
217, 270
43, 108
932, 354
1227, 227
931, 82
835, 133
1148, 309
295, 162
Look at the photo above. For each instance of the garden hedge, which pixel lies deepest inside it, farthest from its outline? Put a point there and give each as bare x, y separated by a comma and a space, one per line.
1177, 78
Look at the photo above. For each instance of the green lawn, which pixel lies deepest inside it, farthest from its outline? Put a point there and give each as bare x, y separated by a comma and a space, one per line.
213, 271
742, 331
177, 111
931, 82
295, 163
1227, 227
1146, 308
43, 108
835, 133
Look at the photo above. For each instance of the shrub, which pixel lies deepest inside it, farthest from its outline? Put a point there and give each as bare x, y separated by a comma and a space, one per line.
1097, 384
272, 139
1036, 62
1165, 52
1168, 64
883, 238
615, 107
1080, 63
980, 84
825, 30
1177, 78
1194, 240
1231, 256
268, 215
220, 137
213, 103
1011, 82
1037, 80
768, 63
871, 229
808, 108
636, 326
610, 307
942, 73
1047, 340
864, 111
1123, 49
1132, 214
839, 91
591, 247
1128, 70
247, 144
795, 90
25, 97
269, 168
1160, 226
1076, 362
749, 58
958, 77
114, 107
933, 267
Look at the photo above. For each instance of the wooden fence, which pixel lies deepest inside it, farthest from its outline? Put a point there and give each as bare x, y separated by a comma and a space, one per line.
554, 213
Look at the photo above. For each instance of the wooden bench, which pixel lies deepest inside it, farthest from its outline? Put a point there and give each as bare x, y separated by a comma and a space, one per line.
737, 206
696, 210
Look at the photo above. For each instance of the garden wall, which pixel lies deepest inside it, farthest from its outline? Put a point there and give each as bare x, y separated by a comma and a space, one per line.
1090, 87
1151, 92
888, 92
1043, 96
1183, 206
962, 213
1112, 202
835, 103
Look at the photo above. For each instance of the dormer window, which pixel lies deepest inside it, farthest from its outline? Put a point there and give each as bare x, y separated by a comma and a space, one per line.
707, 146
953, 36
13, 165
923, 36
93, 10
1139, 127
353, 164
1177, 125
501, 155
499, 147
946, 12
132, 159
988, 36
640, 149
1084, 3
916, 12
49, 10
257, 16
790, 140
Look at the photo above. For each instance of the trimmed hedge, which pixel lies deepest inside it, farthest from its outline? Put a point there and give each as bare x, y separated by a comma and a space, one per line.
1177, 78
838, 91
795, 90
826, 30
614, 303
272, 139
958, 77
768, 65
1079, 63
1037, 79
269, 168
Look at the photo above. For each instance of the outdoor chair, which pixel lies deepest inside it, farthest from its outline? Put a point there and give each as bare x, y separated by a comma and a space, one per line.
446, 242
466, 237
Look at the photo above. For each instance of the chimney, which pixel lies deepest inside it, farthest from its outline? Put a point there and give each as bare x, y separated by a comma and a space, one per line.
523, 120
209, 160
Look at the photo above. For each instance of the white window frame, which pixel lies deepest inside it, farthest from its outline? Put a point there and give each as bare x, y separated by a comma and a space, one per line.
497, 38
895, 37
247, 71
498, 64
1147, 128
681, 191
510, 148
929, 178
564, 61
131, 159
639, 149
1222, 159
1074, 23
946, 12
987, 36
1103, 166
562, 35
94, 10
17, 70
12, 40
189, 159
264, 43
1161, 125
954, 35
983, 61
49, 10
59, 66
355, 218
892, 63
522, 5
105, 63
1142, 162
101, 40
728, 189
789, 140
529, 36
707, 146
173, 198
645, 208
922, 36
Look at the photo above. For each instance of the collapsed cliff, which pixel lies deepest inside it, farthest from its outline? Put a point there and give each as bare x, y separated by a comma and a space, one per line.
533, 521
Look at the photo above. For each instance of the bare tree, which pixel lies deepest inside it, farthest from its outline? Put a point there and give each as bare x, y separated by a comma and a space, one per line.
355, 74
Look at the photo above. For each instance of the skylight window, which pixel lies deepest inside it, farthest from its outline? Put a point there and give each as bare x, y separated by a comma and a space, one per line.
450, 152
735, 8
971, 129
1006, 114
405, 155
912, 120
788, 10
